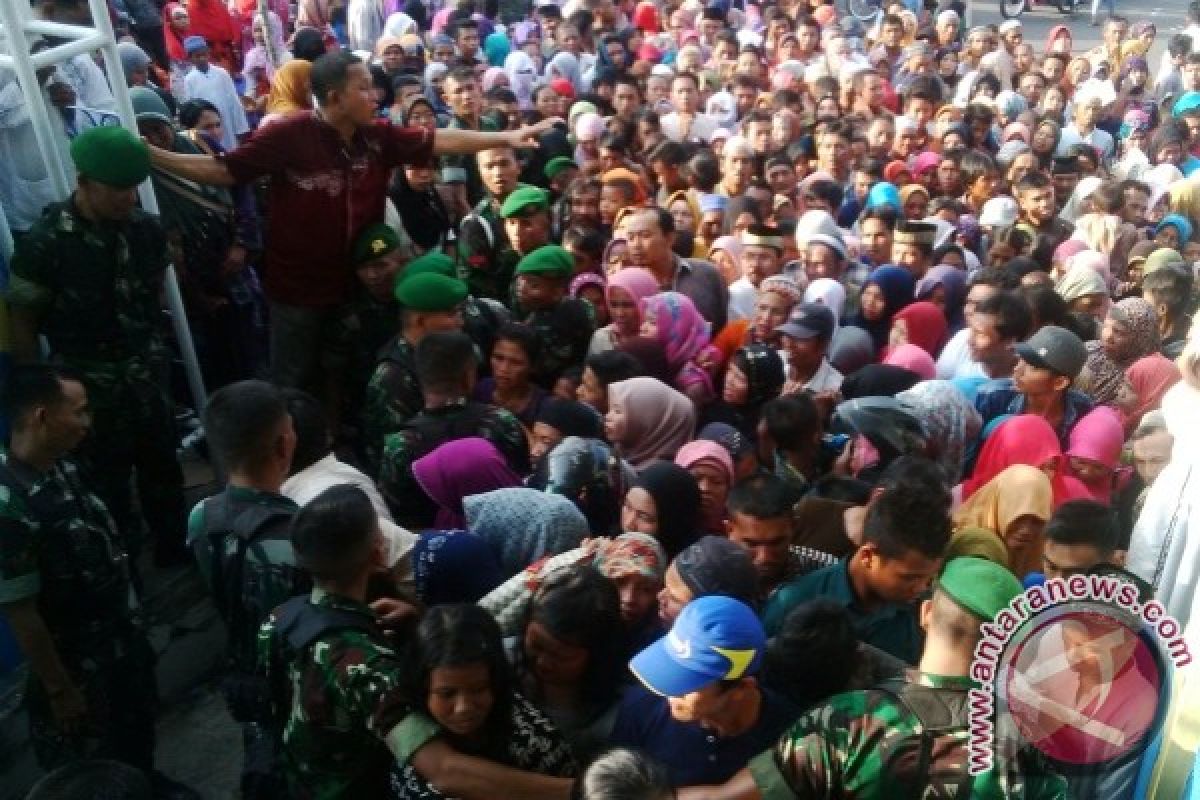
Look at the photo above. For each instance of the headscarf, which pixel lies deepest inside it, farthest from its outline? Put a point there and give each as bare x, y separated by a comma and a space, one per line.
1016, 492
829, 293
1185, 197
490, 76
897, 285
912, 358
639, 282
1150, 377
764, 372
1080, 281
566, 66
459, 469
658, 419
1182, 226
950, 422
702, 450
1098, 436
954, 291
132, 58
496, 47
851, 350
977, 543
453, 567
645, 17
785, 286
433, 71
630, 554
730, 244
908, 191
174, 39
1106, 372
291, 89
878, 380
889, 426
212, 20
677, 503
682, 330
1135, 121
260, 57
926, 326
1073, 209
1160, 258
1023, 439
398, 24
589, 473
521, 76
523, 525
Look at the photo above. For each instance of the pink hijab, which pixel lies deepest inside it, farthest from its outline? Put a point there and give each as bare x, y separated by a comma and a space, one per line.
703, 450
1099, 436
639, 282
681, 329
1150, 376
913, 358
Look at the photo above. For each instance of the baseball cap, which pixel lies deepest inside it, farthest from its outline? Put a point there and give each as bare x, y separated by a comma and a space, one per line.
1055, 349
808, 321
714, 639
999, 212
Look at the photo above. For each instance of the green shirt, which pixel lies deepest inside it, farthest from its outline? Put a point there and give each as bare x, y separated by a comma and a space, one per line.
348, 717
486, 259
892, 628
854, 747
393, 397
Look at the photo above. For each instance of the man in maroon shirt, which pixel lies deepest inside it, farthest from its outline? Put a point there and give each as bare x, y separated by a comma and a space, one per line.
328, 172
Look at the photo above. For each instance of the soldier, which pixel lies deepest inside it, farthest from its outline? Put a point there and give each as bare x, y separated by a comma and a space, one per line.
240, 536
353, 717
368, 321
65, 588
88, 277
446, 369
486, 258
431, 302
526, 215
564, 325
841, 748
465, 98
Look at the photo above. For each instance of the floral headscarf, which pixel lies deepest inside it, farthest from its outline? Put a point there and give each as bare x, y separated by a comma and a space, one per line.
1107, 383
682, 330
630, 554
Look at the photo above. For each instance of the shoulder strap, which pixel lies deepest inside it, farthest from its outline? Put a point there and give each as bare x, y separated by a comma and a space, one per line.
477, 216
247, 525
938, 717
301, 623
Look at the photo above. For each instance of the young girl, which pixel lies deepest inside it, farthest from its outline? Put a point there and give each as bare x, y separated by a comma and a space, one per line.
458, 668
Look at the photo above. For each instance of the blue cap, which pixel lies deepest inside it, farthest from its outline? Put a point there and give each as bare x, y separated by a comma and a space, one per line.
1190, 101
714, 639
194, 44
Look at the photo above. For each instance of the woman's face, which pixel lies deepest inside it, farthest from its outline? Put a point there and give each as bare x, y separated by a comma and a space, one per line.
639, 597
898, 335
257, 34
1061, 43
639, 512
1078, 71
393, 58
737, 387
1089, 471
828, 107
1023, 531
1138, 77
591, 392
1167, 237
771, 310
1021, 166
727, 265
553, 661
787, 50
209, 123
1093, 304
682, 215
180, 19
873, 303
1116, 337
615, 423
510, 365
649, 327
1054, 101
714, 488
623, 311
460, 697
1044, 139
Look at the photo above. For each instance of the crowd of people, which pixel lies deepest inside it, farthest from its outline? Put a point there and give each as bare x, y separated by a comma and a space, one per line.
609, 399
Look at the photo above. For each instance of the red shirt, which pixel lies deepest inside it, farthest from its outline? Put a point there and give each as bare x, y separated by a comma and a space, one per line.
323, 192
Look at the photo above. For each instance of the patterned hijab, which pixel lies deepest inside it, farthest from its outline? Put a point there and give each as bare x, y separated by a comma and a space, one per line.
523, 525
950, 422
678, 325
630, 554
1108, 384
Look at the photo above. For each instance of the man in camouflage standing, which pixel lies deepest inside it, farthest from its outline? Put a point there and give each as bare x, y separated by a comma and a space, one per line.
842, 747
88, 277
65, 588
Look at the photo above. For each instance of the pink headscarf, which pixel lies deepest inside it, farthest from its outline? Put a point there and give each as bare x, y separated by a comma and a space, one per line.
1150, 376
639, 282
925, 162
703, 450
913, 358
681, 329
459, 469
1099, 436
1068, 248
490, 77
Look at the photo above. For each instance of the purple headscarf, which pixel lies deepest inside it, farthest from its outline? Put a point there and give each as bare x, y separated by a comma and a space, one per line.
457, 470
683, 331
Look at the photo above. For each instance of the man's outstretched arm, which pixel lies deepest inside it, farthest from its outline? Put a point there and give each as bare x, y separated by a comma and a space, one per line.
454, 141
199, 168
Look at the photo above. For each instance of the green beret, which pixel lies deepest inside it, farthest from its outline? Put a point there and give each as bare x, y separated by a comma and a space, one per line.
434, 262
111, 155
523, 199
376, 241
549, 260
557, 165
982, 587
431, 292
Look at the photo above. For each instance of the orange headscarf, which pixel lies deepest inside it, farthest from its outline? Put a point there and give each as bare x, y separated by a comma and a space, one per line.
291, 89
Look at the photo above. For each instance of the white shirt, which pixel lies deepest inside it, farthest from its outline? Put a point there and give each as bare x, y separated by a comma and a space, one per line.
742, 297
955, 360
1101, 140
215, 86
825, 379
328, 472
702, 129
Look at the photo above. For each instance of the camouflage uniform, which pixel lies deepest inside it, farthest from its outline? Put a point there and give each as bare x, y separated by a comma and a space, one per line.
268, 576
564, 332
59, 544
95, 290
866, 746
393, 397
364, 326
486, 259
430, 428
345, 716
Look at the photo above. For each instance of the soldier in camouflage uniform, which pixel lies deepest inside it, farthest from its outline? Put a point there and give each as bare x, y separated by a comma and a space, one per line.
338, 686
369, 319
240, 537
564, 325
65, 587
431, 302
870, 745
446, 368
486, 258
88, 277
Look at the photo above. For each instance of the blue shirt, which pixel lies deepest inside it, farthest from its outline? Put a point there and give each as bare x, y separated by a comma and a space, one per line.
893, 627
692, 754
999, 397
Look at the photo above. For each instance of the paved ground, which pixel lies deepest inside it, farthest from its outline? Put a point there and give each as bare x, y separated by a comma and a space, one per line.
1167, 16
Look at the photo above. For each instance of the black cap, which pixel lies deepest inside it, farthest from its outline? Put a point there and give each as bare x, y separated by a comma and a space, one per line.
1055, 349
715, 565
809, 321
